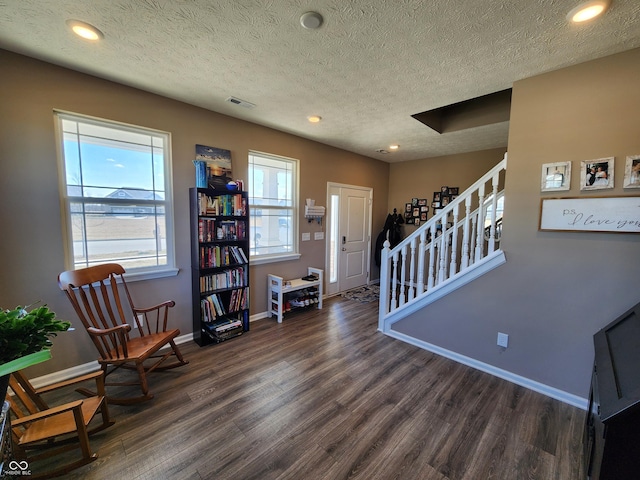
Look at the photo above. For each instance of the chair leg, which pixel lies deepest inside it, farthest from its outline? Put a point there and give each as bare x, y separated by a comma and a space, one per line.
83, 436
176, 350
142, 373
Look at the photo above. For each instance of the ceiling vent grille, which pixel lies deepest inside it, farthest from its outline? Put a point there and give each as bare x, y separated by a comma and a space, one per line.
241, 103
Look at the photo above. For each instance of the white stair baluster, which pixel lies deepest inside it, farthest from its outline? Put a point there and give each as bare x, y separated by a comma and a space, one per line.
403, 274
480, 225
465, 233
454, 243
394, 282
421, 249
442, 251
432, 254
412, 271
494, 207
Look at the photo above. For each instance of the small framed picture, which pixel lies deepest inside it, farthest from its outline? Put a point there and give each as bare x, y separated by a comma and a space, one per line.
410, 221
424, 208
445, 190
408, 207
435, 204
453, 191
555, 176
422, 201
445, 200
436, 196
416, 221
414, 201
596, 174
416, 212
632, 172
423, 216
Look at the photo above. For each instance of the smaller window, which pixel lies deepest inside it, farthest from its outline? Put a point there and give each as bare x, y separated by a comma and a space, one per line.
273, 206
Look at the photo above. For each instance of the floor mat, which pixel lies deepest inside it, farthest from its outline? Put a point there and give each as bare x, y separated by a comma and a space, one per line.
364, 294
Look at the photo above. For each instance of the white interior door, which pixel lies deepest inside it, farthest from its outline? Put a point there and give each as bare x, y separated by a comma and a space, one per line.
349, 245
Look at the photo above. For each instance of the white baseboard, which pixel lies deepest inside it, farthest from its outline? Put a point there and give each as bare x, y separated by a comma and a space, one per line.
78, 370
552, 392
258, 316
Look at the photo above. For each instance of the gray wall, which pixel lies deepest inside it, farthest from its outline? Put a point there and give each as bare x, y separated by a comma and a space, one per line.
556, 289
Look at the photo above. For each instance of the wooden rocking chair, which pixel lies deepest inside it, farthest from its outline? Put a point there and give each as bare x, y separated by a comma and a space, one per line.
41, 432
94, 294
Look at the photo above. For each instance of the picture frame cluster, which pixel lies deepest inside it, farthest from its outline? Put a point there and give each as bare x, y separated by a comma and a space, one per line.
596, 174
444, 197
416, 212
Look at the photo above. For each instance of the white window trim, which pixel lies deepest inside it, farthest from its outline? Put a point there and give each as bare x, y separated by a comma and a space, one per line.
282, 257
143, 273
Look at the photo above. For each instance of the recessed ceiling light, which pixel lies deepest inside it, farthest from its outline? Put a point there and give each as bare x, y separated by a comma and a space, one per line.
311, 20
588, 10
85, 30
314, 118
394, 147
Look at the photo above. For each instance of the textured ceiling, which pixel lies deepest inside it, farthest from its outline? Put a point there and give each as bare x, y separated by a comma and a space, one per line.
366, 70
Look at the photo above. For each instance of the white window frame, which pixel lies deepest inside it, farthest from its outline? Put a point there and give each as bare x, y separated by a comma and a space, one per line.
133, 273
294, 254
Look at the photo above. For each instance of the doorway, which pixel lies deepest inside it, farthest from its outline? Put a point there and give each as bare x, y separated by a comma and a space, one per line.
348, 236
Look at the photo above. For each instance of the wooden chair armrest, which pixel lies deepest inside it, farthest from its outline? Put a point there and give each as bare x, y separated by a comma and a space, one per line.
47, 413
168, 304
159, 314
72, 381
99, 332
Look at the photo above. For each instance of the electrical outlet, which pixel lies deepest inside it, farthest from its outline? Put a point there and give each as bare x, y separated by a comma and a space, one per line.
503, 340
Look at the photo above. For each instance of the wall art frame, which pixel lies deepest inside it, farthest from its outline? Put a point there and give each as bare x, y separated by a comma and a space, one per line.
592, 214
632, 172
555, 177
597, 174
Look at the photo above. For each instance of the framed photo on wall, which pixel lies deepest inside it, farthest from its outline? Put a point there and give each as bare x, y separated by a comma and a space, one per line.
632, 172
555, 177
596, 174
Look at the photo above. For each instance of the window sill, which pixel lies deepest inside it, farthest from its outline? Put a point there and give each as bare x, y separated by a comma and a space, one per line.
151, 274
273, 259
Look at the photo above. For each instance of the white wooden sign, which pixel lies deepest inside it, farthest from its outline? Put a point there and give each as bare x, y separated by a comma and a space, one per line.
596, 214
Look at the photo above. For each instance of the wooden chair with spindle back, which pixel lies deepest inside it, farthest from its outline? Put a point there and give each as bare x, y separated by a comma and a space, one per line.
40, 431
94, 293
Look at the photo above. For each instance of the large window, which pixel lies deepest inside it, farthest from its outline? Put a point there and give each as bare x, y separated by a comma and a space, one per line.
117, 195
273, 203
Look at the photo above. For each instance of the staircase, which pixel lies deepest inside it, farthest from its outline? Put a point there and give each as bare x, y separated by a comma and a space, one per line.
454, 247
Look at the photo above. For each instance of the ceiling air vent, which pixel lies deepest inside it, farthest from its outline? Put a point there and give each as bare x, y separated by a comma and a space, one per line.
241, 103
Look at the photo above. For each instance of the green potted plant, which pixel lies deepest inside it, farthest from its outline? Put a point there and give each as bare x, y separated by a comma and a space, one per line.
25, 339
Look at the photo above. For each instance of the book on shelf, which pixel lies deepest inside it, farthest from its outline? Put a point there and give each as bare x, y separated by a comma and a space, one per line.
231, 278
212, 256
222, 325
229, 205
212, 306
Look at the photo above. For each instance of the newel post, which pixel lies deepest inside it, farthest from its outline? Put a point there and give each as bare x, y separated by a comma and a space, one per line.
383, 306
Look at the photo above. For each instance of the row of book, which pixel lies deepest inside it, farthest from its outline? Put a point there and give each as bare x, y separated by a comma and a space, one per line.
232, 278
212, 230
226, 205
221, 256
223, 329
213, 306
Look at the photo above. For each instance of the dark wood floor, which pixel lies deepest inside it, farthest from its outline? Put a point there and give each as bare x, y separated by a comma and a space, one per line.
325, 396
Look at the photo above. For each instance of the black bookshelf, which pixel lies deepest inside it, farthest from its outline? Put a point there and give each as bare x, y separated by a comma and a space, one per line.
219, 264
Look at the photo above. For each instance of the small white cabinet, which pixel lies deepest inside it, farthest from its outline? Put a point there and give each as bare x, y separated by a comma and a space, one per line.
281, 291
